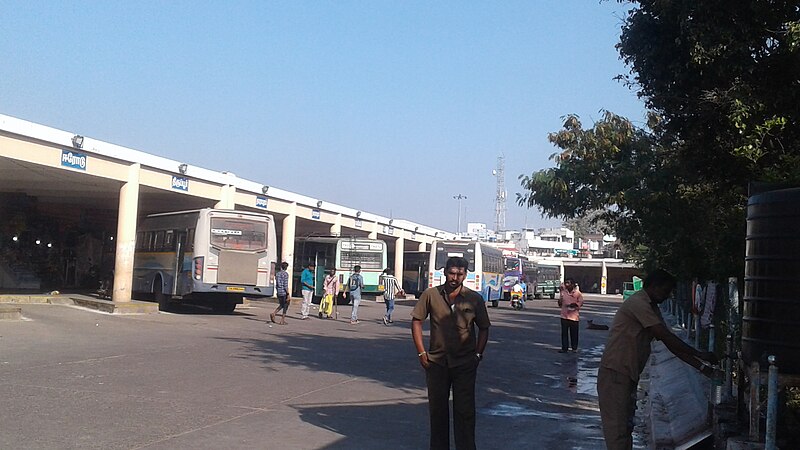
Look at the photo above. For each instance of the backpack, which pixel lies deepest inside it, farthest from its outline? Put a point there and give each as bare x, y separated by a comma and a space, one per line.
354, 282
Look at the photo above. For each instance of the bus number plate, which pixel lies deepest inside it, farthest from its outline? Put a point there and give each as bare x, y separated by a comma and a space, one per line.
236, 288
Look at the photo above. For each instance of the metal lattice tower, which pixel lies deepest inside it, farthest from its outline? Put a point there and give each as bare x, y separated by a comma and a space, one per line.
500, 198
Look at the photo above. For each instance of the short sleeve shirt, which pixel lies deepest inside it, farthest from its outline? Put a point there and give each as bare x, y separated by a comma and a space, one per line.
307, 278
453, 337
628, 346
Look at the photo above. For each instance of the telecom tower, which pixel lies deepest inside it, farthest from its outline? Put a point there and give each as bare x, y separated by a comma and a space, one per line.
500, 198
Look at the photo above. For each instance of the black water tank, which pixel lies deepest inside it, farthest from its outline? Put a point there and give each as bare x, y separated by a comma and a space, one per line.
771, 321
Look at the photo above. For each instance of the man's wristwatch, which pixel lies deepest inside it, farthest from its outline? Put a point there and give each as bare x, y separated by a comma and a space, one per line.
479, 356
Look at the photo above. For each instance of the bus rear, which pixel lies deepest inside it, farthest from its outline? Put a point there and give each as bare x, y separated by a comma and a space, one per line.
441, 251
370, 254
234, 255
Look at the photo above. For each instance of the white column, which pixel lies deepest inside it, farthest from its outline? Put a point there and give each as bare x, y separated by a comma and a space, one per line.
422, 247
604, 278
227, 193
126, 235
287, 241
399, 247
374, 233
336, 228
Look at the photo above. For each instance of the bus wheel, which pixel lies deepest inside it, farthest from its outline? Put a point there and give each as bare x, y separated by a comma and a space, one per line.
160, 297
495, 303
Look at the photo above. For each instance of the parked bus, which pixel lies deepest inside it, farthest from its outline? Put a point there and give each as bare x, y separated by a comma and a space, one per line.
548, 279
415, 272
342, 254
519, 268
485, 271
210, 256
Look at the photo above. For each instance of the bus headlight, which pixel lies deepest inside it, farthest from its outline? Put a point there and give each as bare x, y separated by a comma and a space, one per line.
198, 268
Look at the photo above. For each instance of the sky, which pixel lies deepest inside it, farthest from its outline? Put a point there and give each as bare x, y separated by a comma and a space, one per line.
391, 107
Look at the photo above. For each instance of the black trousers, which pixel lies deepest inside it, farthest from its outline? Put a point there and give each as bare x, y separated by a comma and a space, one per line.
462, 380
569, 332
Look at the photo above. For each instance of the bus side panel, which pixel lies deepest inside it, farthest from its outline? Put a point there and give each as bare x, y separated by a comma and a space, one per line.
149, 266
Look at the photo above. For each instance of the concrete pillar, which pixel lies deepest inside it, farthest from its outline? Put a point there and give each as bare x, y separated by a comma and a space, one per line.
561, 268
126, 235
227, 194
399, 246
604, 278
336, 228
287, 241
374, 233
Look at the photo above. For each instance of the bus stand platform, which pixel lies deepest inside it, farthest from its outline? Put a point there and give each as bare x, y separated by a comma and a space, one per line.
81, 300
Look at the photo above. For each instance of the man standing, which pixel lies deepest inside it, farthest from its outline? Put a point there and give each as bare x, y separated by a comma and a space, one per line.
391, 288
453, 355
570, 300
354, 286
282, 288
637, 322
307, 282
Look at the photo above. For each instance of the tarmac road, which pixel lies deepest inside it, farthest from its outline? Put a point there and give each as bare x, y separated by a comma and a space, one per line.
73, 378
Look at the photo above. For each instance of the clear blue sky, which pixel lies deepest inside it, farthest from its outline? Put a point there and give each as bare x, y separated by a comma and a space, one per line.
392, 107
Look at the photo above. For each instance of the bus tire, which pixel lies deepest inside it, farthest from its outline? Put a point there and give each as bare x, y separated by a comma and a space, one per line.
160, 297
495, 303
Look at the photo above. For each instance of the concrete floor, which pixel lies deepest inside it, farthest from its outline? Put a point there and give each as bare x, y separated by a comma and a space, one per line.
72, 378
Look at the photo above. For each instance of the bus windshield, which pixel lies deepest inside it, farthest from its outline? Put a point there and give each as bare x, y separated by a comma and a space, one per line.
512, 264
367, 260
446, 250
237, 234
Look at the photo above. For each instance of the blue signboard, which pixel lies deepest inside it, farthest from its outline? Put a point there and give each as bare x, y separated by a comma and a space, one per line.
261, 202
180, 183
73, 160
315, 214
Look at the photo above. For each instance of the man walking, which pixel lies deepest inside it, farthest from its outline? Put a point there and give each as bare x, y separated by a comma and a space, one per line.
354, 286
282, 288
570, 300
452, 359
391, 289
307, 283
637, 322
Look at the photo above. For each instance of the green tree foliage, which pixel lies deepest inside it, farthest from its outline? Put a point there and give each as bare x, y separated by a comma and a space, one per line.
722, 82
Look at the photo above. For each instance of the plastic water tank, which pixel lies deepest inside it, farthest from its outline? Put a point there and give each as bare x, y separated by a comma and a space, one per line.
771, 319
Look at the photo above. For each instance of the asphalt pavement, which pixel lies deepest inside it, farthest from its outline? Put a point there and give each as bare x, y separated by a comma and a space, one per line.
192, 379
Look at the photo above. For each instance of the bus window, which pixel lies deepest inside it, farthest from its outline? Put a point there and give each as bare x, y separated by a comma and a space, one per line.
446, 250
159, 241
235, 234
169, 241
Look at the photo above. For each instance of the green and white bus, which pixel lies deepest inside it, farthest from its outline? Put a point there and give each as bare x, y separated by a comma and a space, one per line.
209, 256
341, 253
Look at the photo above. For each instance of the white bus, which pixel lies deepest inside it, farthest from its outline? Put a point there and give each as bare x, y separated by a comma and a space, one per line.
341, 253
485, 271
210, 256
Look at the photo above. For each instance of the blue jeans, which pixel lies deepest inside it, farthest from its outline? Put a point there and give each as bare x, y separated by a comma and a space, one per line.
356, 299
389, 307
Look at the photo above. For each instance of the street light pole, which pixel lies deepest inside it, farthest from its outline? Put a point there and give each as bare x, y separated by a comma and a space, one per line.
459, 197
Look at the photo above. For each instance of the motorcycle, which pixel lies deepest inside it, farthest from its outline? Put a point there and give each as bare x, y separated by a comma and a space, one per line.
517, 302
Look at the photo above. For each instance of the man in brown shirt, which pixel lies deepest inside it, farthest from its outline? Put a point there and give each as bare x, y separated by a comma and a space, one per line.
637, 322
452, 359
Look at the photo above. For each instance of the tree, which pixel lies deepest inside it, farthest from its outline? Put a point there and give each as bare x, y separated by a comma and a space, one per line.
721, 82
